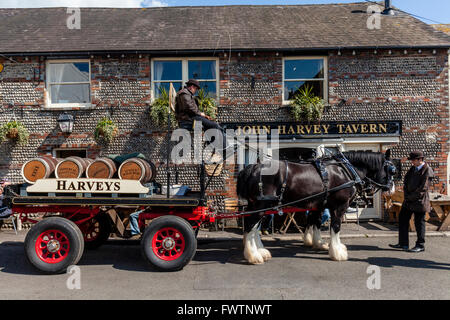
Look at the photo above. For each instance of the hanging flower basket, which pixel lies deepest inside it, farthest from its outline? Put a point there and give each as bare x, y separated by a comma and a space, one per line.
305, 106
14, 131
106, 130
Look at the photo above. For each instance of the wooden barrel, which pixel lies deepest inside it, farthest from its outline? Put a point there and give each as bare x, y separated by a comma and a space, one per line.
72, 167
101, 168
137, 169
38, 168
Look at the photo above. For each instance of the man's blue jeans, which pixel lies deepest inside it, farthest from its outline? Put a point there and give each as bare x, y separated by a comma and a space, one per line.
134, 223
325, 216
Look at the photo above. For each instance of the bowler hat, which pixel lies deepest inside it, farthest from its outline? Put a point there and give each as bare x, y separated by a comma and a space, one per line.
415, 155
193, 82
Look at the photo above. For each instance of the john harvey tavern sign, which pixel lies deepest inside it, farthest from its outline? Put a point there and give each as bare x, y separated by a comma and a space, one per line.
319, 129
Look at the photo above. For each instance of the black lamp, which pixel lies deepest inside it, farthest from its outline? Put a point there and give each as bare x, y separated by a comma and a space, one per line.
65, 122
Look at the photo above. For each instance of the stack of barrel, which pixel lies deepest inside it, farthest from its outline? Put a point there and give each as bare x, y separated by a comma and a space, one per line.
133, 168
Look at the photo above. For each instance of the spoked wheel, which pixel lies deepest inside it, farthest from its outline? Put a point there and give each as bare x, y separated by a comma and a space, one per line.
96, 231
169, 243
54, 244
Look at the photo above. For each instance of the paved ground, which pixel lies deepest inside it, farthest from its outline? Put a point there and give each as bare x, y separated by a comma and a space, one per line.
218, 271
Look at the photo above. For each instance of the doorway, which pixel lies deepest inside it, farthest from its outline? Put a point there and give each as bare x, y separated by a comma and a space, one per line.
373, 208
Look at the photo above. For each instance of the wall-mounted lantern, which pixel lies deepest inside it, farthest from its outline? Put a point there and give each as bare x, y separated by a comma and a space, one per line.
65, 122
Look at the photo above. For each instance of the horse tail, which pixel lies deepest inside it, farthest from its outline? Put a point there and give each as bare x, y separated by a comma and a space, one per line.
242, 181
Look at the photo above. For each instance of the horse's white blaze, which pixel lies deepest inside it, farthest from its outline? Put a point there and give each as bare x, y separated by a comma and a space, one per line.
251, 253
308, 237
337, 251
318, 243
263, 251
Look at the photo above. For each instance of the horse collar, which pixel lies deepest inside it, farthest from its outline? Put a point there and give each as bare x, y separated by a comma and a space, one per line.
283, 187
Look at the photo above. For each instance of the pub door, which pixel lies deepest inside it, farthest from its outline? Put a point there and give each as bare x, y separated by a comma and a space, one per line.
373, 210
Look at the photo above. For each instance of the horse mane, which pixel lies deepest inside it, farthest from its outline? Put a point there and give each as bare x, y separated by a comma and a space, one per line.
367, 159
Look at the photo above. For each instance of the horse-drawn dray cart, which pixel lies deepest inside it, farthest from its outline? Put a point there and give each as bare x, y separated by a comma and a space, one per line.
66, 222
83, 212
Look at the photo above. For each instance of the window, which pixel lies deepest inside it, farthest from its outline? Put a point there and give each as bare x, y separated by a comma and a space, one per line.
179, 71
305, 71
65, 153
68, 83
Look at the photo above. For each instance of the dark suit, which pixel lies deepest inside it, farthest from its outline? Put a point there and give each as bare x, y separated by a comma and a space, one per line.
417, 201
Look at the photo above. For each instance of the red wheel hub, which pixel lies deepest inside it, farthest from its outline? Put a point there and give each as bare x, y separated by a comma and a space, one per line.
52, 246
91, 230
168, 244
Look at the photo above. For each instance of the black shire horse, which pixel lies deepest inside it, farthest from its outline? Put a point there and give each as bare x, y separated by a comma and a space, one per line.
303, 180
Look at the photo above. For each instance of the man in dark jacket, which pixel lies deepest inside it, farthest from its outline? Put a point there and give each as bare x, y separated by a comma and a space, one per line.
187, 111
416, 200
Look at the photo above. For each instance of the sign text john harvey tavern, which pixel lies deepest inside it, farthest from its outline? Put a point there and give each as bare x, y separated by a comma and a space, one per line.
320, 129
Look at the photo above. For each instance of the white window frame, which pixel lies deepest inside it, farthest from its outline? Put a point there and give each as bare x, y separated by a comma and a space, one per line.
324, 79
185, 72
49, 103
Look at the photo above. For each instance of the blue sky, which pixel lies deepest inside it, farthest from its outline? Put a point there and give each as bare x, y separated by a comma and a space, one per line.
436, 10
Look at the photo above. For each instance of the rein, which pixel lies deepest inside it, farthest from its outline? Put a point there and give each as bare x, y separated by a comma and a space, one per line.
278, 207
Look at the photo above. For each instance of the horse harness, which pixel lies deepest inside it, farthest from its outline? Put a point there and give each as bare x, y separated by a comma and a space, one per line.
322, 170
278, 198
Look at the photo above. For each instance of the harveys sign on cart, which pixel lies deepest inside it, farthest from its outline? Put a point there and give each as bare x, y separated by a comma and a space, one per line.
84, 185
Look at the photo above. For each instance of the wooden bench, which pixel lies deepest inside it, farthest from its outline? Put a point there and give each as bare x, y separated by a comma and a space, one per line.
231, 205
441, 205
393, 204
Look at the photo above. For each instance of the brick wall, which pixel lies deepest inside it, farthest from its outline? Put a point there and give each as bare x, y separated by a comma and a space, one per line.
417, 84
411, 87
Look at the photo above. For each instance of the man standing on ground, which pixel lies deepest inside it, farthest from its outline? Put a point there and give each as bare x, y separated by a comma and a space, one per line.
416, 200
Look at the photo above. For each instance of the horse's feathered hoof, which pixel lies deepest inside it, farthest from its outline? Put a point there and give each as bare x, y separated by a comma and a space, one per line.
265, 254
338, 253
308, 237
255, 260
322, 246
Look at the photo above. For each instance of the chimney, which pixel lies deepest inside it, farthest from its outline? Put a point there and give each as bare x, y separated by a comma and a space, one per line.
387, 8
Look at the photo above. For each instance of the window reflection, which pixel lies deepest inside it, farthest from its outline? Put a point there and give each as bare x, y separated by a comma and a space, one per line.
304, 69
299, 73
166, 86
291, 88
202, 69
167, 70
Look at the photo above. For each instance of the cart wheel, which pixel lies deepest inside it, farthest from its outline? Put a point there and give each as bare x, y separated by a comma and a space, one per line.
96, 231
169, 243
54, 244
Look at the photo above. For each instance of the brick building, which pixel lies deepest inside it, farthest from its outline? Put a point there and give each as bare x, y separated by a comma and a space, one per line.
385, 87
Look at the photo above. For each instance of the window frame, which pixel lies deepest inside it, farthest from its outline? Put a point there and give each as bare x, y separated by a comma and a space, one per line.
48, 85
184, 72
55, 150
324, 79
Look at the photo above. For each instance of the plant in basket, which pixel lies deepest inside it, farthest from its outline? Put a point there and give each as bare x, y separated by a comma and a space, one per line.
15, 131
160, 109
305, 106
106, 130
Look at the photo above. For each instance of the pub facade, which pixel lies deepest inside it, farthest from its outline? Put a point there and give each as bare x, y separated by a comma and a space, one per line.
382, 89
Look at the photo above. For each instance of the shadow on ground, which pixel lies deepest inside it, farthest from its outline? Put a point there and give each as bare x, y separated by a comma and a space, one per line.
126, 255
